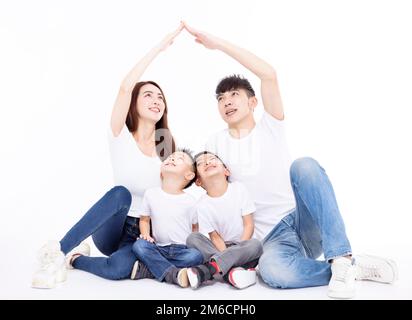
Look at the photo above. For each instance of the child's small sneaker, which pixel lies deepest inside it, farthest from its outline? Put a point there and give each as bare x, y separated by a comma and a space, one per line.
197, 275
140, 271
83, 249
182, 278
342, 282
242, 278
375, 269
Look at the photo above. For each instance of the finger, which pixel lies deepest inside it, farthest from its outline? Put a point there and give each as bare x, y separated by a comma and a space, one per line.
198, 41
190, 29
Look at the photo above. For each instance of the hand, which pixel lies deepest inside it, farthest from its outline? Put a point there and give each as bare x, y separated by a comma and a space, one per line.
147, 238
209, 41
168, 40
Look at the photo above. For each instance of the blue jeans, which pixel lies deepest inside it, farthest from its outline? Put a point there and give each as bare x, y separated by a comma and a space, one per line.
113, 233
163, 259
314, 227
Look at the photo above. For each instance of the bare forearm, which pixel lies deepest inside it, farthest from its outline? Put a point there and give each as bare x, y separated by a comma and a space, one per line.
218, 241
247, 233
259, 67
144, 226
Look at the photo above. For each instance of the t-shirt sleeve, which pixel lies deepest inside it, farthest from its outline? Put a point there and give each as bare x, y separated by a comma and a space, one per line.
248, 206
122, 135
205, 225
193, 215
276, 127
145, 208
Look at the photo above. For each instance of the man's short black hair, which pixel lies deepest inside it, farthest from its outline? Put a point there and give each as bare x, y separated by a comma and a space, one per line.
208, 152
234, 82
194, 169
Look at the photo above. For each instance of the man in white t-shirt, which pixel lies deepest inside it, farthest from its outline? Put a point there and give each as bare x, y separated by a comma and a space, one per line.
297, 217
173, 215
225, 214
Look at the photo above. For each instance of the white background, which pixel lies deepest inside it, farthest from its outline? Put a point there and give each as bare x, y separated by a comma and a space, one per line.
345, 73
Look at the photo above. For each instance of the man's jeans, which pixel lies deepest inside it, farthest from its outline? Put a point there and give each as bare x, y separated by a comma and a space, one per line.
314, 227
113, 233
163, 259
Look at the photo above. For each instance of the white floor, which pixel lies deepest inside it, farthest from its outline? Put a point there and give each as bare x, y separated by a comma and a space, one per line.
16, 270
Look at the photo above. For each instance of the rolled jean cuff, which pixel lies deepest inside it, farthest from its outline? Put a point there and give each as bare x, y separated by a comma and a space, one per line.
345, 252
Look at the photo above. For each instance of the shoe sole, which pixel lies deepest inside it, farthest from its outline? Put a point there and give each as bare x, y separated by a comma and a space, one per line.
134, 270
182, 278
193, 280
390, 262
242, 279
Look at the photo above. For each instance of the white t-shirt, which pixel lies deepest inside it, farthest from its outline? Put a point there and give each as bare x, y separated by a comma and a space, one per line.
132, 168
261, 161
172, 215
224, 214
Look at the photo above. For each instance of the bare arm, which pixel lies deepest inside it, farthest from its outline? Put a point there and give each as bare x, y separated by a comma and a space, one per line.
195, 227
144, 225
122, 103
271, 99
248, 227
217, 241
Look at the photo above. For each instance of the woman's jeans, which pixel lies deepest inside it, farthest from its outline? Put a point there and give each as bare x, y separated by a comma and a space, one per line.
113, 233
314, 227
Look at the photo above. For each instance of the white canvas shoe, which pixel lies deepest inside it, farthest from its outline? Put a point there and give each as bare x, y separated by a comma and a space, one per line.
52, 269
242, 278
342, 282
375, 269
83, 249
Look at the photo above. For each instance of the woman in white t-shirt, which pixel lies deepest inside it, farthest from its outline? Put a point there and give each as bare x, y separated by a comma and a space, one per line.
139, 140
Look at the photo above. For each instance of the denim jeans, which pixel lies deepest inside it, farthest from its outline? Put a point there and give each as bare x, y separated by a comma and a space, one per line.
314, 227
113, 233
162, 259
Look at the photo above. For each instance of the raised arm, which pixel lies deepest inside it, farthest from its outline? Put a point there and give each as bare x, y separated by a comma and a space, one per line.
248, 227
122, 103
271, 99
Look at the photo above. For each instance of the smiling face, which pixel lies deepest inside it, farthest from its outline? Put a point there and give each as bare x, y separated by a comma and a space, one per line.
210, 166
150, 103
178, 164
235, 106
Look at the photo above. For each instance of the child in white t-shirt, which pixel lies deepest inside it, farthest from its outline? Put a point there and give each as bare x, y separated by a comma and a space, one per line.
225, 213
172, 213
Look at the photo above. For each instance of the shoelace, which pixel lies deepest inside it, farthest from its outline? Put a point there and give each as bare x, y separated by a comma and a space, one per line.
370, 272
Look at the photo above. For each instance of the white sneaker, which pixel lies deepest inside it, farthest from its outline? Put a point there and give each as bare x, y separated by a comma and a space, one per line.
342, 282
83, 249
375, 269
52, 269
241, 278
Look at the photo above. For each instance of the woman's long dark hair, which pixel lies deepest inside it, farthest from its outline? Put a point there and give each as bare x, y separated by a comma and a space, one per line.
165, 144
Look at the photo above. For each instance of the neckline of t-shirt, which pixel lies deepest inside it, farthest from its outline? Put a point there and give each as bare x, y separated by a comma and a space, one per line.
172, 195
223, 195
248, 136
154, 158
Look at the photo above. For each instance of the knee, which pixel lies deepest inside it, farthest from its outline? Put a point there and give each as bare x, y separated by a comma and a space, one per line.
275, 273
196, 257
141, 247
304, 168
194, 240
256, 246
121, 194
